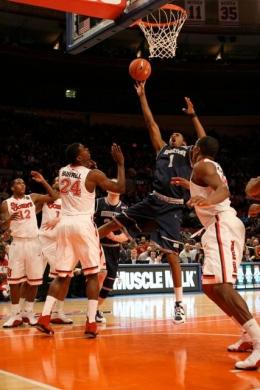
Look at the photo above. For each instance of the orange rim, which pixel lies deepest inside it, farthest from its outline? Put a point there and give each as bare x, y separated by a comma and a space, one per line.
172, 7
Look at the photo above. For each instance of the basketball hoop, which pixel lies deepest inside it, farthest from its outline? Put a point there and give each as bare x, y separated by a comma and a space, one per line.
161, 29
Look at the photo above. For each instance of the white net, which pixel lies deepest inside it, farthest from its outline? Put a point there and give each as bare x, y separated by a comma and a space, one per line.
161, 29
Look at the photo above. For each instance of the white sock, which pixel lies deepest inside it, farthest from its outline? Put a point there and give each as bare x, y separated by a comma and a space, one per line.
15, 309
59, 306
28, 306
48, 305
178, 294
253, 329
92, 309
21, 303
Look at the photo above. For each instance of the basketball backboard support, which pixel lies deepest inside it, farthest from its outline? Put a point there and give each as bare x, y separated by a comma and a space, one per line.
85, 32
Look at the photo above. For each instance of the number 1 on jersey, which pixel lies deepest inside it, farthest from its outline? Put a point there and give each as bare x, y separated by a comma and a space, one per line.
171, 161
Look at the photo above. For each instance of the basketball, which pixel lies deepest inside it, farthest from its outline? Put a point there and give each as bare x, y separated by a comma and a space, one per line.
140, 69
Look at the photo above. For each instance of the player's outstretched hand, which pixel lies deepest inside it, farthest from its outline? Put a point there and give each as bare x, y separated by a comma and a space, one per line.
37, 176
198, 201
189, 109
180, 181
117, 154
140, 87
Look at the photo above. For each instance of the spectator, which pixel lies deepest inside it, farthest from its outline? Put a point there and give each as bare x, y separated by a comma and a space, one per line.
185, 255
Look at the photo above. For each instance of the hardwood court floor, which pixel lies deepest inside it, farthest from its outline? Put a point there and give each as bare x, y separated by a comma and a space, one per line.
138, 348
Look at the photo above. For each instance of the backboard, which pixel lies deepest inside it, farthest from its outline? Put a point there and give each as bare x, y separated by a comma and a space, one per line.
84, 32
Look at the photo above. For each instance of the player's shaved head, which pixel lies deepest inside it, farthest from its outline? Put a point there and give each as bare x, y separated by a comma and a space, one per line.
209, 146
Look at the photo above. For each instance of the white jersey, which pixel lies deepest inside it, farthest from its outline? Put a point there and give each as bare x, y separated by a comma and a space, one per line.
26, 224
76, 200
207, 215
50, 211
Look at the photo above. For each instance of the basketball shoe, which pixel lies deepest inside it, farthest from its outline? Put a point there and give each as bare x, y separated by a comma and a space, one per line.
29, 318
43, 325
179, 313
13, 321
244, 344
253, 360
100, 318
60, 318
91, 330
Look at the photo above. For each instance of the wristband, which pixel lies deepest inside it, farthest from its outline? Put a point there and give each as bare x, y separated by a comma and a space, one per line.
194, 115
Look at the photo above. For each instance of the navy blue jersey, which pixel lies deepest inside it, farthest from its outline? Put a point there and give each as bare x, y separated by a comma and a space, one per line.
104, 213
171, 162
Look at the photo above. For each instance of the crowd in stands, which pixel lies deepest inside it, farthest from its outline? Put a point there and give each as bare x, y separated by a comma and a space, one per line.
30, 142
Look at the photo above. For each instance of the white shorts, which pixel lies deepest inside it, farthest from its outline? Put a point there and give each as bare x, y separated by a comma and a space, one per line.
77, 240
25, 261
49, 251
223, 245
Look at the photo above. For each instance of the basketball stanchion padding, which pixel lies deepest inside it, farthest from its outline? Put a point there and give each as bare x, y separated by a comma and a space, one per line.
110, 9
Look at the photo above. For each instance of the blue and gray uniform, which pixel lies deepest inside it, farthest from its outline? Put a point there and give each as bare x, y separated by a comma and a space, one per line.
160, 213
105, 212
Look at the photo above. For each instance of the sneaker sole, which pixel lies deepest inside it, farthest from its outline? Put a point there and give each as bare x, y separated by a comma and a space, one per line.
15, 325
244, 347
248, 368
177, 322
58, 321
43, 329
90, 335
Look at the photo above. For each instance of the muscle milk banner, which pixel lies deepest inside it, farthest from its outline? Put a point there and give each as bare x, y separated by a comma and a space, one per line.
141, 279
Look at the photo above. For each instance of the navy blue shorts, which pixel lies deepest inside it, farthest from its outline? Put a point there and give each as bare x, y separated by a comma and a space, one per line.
112, 257
160, 219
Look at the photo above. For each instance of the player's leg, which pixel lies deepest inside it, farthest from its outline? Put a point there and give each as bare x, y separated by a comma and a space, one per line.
222, 258
16, 276
15, 318
92, 292
58, 290
179, 312
132, 221
49, 249
112, 255
34, 273
167, 235
66, 261
238, 309
28, 295
88, 250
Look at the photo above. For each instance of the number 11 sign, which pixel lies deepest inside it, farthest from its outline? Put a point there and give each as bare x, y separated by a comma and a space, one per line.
195, 10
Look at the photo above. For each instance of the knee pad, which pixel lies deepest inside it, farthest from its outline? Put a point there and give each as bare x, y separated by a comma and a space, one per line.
107, 287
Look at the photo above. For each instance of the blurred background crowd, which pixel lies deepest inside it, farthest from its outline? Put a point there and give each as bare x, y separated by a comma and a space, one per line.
30, 141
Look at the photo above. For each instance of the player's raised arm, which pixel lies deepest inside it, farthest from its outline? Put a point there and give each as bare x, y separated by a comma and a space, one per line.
190, 111
97, 177
153, 128
39, 198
